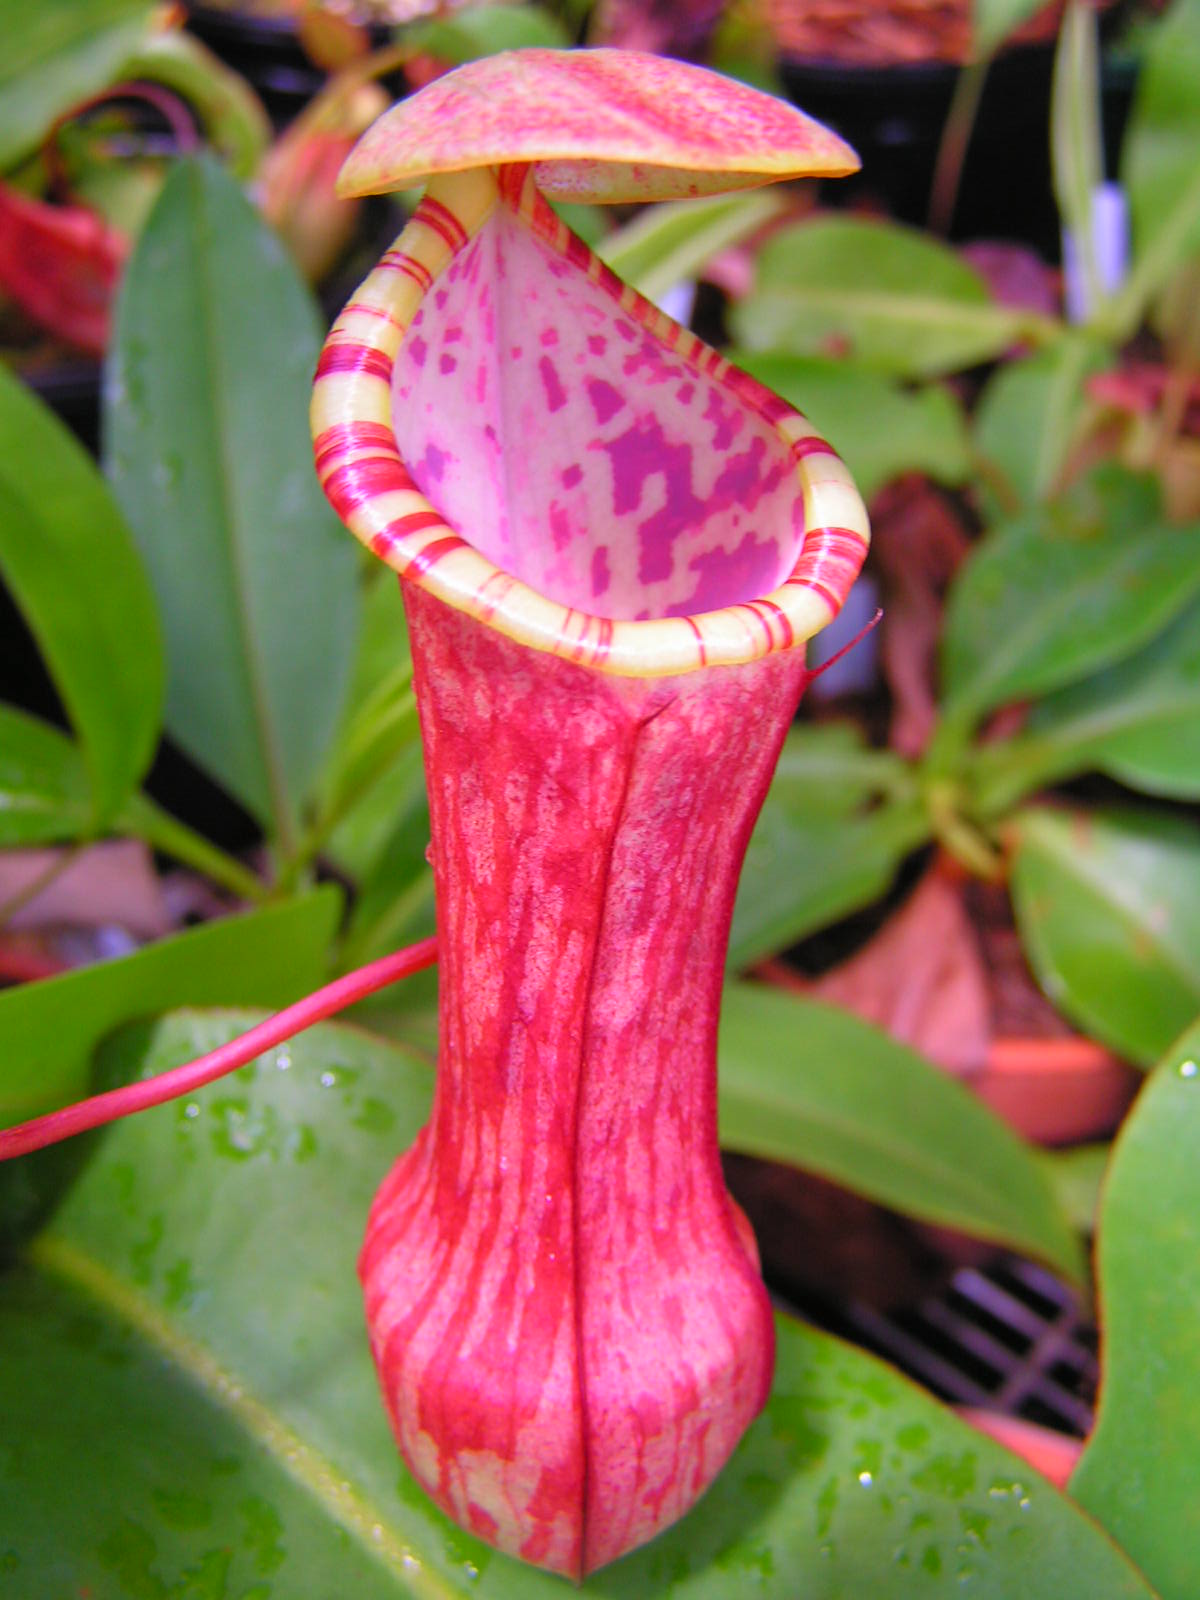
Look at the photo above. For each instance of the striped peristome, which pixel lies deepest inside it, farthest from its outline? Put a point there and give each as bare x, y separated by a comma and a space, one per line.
375, 494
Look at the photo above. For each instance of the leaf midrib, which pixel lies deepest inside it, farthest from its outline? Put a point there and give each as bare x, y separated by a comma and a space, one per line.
230, 528
351, 1510
971, 316
1098, 725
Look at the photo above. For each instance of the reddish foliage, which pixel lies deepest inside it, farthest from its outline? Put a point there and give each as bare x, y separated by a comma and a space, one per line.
61, 265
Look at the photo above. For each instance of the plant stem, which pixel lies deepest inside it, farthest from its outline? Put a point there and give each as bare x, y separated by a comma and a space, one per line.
175, 839
123, 1102
1124, 311
958, 836
952, 148
356, 782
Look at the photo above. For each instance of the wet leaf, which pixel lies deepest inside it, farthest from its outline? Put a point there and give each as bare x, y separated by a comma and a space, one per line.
806, 1083
48, 1030
1103, 562
74, 571
209, 453
1138, 1472
186, 1375
838, 820
1108, 906
879, 428
887, 296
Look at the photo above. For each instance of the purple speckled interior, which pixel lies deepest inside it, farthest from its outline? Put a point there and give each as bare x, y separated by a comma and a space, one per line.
574, 450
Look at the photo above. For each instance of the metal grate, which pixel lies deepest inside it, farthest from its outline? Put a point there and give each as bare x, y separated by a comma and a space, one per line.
1010, 1337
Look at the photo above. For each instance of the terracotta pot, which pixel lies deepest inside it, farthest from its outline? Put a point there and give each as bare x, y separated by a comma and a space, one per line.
1056, 1091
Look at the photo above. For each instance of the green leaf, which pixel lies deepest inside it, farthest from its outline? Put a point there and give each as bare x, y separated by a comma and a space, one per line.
208, 450
1028, 417
994, 20
74, 571
887, 296
485, 30
1076, 1173
1076, 140
879, 428
48, 1030
837, 822
1138, 1472
1160, 152
1062, 591
57, 53
235, 124
1139, 721
185, 1377
805, 1083
665, 244
367, 775
395, 901
1108, 907
44, 791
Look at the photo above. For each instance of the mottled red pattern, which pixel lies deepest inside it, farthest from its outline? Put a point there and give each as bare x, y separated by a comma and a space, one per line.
612, 125
664, 491
569, 1332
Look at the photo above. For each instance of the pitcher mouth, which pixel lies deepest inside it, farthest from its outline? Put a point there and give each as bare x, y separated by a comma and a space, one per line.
360, 463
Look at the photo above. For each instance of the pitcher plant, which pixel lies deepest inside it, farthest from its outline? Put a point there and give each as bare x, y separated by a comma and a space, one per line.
612, 547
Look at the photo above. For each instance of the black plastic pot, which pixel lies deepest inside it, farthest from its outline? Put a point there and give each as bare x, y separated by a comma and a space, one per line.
265, 50
894, 117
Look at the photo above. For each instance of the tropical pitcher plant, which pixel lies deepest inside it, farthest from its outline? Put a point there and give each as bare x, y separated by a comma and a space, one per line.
612, 547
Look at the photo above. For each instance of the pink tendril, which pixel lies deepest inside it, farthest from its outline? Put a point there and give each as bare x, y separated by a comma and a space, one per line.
123, 1102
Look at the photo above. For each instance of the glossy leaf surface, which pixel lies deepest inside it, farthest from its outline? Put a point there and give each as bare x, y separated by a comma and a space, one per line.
196, 1298
810, 1085
57, 52
1108, 906
71, 564
837, 821
217, 338
48, 1030
1103, 562
879, 428
1138, 1474
885, 295
44, 791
